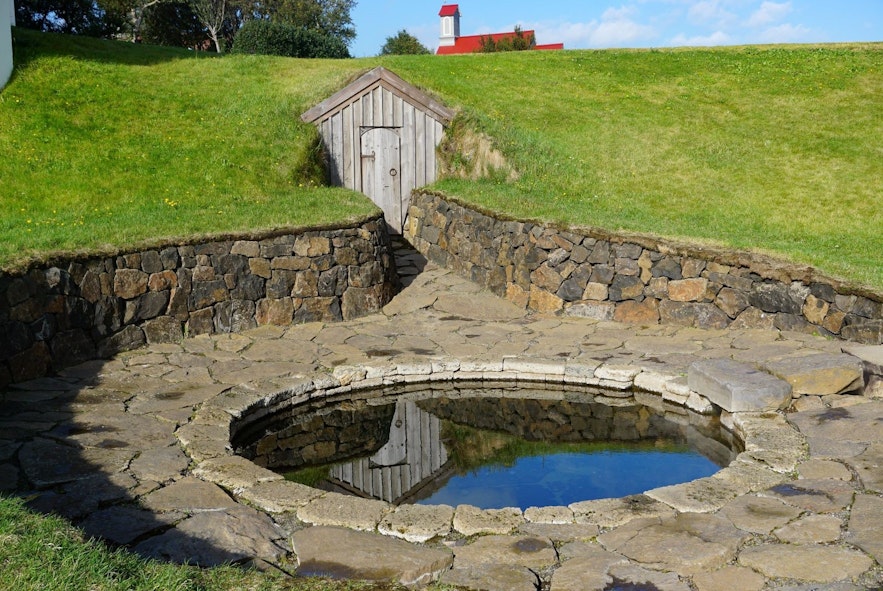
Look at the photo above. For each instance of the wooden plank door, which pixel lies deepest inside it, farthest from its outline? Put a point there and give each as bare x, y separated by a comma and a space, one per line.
381, 173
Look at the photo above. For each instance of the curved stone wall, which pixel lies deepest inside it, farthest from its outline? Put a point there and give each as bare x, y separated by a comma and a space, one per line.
632, 278
72, 311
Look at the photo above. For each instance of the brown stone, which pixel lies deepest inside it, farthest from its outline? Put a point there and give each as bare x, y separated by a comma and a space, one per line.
646, 312
162, 281
815, 310
543, 301
30, 364
516, 295
276, 312
595, 291
129, 283
732, 302
729, 578
546, 278
754, 318
260, 267
687, 290
834, 321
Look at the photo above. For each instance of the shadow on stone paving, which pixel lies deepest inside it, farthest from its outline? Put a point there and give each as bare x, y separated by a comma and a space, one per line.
70, 448
96, 445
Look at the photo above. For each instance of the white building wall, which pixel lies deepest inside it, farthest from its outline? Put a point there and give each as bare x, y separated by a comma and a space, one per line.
7, 19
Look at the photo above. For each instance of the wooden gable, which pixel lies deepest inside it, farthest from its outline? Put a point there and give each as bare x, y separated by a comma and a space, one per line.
377, 118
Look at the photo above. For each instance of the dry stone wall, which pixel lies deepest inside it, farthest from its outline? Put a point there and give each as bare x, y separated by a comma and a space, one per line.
72, 311
636, 279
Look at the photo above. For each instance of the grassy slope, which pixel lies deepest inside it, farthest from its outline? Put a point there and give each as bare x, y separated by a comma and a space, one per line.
776, 149
105, 144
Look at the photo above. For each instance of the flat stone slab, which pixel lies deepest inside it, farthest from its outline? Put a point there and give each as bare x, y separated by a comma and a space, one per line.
819, 496
820, 374
820, 564
528, 551
759, 515
211, 539
585, 566
615, 512
418, 523
124, 524
470, 520
866, 525
234, 472
335, 509
491, 577
46, 463
729, 578
738, 387
280, 496
345, 554
561, 533
190, 495
687, 545
812, 529
869, 467
840, 432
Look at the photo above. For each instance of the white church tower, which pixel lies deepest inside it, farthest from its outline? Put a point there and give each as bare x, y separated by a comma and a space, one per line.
450, 24
7, 20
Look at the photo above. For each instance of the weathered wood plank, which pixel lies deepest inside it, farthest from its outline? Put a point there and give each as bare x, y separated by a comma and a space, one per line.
419, 142
350, 139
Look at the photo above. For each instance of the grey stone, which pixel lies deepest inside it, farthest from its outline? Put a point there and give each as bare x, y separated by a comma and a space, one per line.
585, 568
469, 520
345, 554
124, 524
729, 578
819, 496
279, 496
528, 551
46, 463
341, 510
759, 515
491, 577
821, 564
866, 525
615, 512
418, 523
236, 534
869, 467
189, 495
812, 529
820, 374
737, 387
160, 464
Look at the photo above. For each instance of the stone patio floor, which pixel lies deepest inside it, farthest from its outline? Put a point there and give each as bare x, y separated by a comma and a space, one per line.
101, 445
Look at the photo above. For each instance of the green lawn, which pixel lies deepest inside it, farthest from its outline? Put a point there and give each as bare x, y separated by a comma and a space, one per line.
776, 149
106, 144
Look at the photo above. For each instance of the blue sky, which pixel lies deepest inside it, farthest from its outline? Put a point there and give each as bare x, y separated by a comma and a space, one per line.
582, 24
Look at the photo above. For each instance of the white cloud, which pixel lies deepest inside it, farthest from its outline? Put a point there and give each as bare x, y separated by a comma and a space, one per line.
716, 38
710, 12
786, 33
769, 12
617, 27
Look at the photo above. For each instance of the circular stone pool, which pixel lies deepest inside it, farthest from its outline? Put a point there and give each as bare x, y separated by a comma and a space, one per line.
487, 445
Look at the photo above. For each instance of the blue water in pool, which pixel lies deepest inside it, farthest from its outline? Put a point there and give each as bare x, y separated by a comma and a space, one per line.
565, 478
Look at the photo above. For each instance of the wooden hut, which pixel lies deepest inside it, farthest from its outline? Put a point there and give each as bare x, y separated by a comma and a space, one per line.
380, 135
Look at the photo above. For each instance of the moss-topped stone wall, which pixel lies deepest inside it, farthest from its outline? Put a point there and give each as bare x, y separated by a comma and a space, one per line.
637, 279
73, 310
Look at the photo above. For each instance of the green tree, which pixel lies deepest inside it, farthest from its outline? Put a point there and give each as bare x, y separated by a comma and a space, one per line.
403, 43
329, 17
517, 42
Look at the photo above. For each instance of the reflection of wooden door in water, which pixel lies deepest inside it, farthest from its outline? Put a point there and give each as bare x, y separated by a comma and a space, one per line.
381, 173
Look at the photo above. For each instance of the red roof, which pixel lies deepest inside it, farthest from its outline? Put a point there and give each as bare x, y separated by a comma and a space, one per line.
472, 43
449, 10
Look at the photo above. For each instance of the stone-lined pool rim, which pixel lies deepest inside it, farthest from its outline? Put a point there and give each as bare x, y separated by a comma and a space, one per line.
773, 447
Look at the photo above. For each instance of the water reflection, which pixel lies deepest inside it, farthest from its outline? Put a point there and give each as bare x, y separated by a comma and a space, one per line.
491, 448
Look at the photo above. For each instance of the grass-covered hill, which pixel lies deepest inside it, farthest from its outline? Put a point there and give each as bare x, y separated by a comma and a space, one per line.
771, 148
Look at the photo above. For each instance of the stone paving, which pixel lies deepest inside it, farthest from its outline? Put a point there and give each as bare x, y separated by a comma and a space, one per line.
134, 450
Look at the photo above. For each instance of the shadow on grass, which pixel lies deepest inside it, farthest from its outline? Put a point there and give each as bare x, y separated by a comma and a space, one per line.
28, 44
